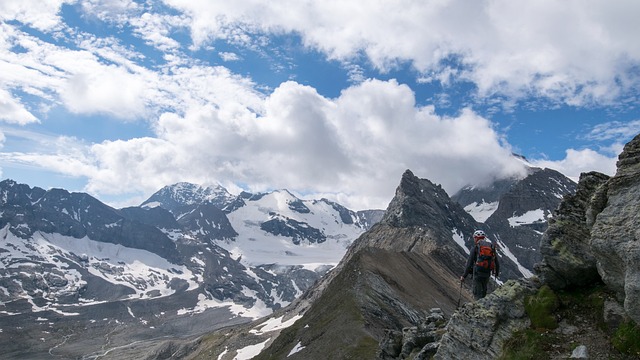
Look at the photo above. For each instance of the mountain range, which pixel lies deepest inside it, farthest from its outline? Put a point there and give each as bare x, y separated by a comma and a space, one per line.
395, 294
82, 279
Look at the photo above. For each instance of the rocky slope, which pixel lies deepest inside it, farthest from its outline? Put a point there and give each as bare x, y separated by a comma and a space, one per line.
592, 239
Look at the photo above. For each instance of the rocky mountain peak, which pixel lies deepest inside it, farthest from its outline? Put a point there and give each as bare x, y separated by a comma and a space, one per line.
416, 201
183, 196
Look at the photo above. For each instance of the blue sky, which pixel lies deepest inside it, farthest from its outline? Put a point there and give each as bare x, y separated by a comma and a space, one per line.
334, 99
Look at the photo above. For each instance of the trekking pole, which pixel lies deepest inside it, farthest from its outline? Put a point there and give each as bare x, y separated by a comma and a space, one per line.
459, 296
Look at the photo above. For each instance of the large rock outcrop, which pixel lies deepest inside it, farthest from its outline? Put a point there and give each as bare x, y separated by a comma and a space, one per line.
565, 246
479, 329
615, 236
595, 234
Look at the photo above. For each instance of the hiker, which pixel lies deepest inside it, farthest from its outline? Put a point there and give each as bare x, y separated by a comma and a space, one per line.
482, 262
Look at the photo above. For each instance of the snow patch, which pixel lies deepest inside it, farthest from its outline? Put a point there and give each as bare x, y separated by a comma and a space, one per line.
274, 324
259, 310
296, 348
530, 217
505, 250
481, 211
459, 239
250, 351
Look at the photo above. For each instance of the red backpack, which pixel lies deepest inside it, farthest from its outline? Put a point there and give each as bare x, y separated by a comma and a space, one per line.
485, 261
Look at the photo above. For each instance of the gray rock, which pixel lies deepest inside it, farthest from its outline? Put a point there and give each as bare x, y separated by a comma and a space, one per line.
615, 236
566, 251
580, 352
613, 314
480, 329
422, 340
427, 351
390, 345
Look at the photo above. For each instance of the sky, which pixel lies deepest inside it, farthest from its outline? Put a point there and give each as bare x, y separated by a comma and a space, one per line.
325, 98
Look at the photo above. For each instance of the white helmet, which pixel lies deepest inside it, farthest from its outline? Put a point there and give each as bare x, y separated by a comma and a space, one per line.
479, 234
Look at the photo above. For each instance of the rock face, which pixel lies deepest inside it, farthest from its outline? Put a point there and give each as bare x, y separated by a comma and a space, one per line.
479, 329
596, 234
426, 209
615, 236
416, 342
567, 257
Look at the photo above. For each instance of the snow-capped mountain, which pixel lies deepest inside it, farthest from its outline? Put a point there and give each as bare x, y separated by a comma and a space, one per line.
275, 227
141, 272
180, 198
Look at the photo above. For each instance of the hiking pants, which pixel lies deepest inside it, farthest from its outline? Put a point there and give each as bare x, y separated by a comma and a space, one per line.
480, 286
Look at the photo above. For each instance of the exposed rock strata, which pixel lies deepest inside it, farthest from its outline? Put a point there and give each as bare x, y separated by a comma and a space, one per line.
479, 329
615, 236
565, 246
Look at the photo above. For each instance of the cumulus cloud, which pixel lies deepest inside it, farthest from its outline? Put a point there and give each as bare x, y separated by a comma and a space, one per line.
353, 148
229, 56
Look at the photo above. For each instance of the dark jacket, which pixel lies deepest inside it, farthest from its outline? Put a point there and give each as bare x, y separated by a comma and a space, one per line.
473, 256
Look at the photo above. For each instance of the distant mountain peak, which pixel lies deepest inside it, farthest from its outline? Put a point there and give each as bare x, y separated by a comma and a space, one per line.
184, 194
522, 158
415, 201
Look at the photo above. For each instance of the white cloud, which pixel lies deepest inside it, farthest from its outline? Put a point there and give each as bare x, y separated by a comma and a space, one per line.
579, 161
352, 149
12, 111
229, 56
156, 30
575, 52
610, 138
42, 15
105, 89
615, 130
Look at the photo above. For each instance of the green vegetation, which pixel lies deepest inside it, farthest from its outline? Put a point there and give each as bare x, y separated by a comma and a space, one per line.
574, 306
627, 338
540, 308
530, 343
527, 344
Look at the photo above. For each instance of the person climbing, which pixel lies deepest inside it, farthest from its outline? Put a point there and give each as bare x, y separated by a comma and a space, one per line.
482, 262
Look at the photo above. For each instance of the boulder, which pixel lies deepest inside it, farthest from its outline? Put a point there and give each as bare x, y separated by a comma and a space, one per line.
615, 236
